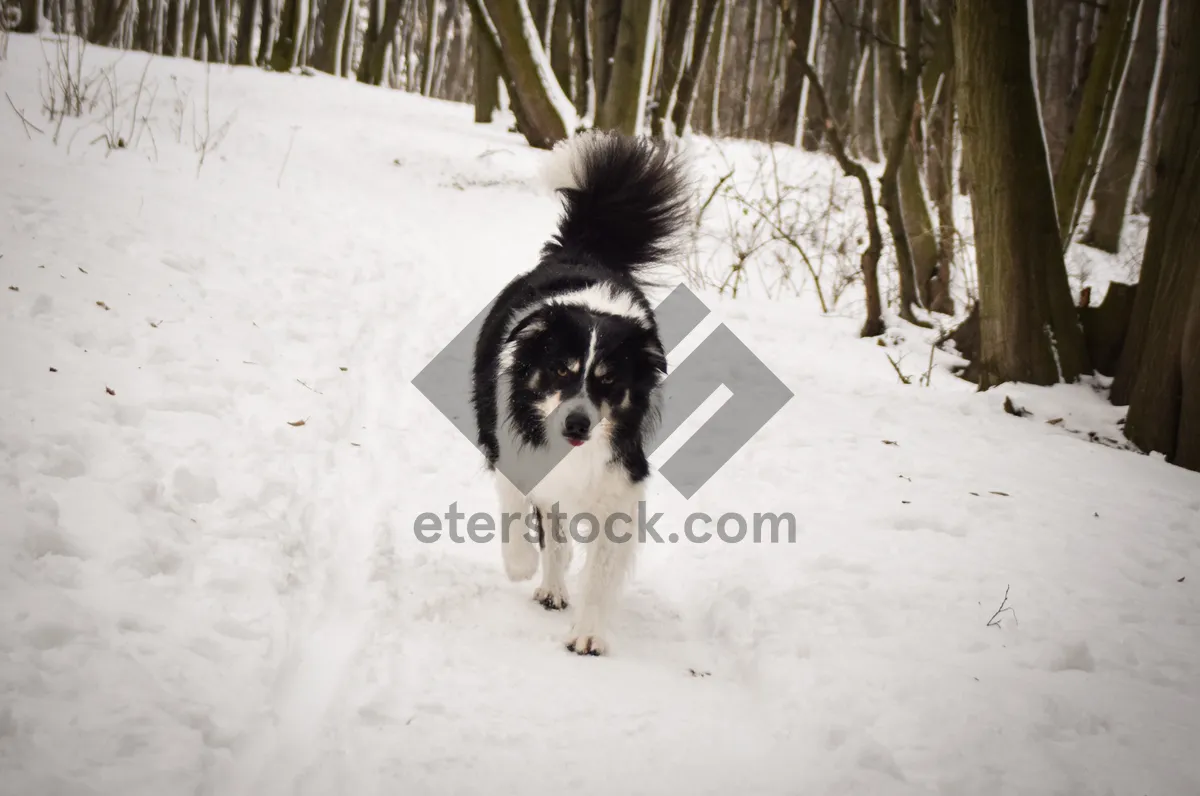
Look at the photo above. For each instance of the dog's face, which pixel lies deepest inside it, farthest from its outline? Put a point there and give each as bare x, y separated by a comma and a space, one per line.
579, 374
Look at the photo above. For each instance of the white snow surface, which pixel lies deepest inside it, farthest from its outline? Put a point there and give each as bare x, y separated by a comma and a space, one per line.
199, 598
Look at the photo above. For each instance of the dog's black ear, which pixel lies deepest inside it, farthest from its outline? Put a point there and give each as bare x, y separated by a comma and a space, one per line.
527, 328
652, 350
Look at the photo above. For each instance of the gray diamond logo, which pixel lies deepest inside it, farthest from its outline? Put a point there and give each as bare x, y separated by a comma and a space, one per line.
721, 359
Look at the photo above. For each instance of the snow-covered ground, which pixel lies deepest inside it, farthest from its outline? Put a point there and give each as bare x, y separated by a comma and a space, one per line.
200, 596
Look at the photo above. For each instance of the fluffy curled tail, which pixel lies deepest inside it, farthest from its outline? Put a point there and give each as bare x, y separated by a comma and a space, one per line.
626, 200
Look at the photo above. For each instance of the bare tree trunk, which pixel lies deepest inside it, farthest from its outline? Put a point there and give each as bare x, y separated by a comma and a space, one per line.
900, 187
109, 21
410, 46
376, 11
373, 65
487, 82
545, 115
873, 326
810, 140
293, 29
799, 16
625, 101
1058, 108
585, 95
746, 103
560, 45
32, 12
718, 69
328, 55
542, 12
940, 163
840, 57
191, 29
774, 71
1111, 193
1029, 328
225, 28
1075, 173
244, 55
427, 71
209, 28
1160, 364
685, 98
444, 82
679, 17
267, 32
918, 258
865, 143
445, 35
606, 19
144, 36
81, 18
351, 35
309, 40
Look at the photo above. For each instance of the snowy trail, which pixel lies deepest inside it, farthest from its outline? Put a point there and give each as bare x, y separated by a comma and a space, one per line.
199, 598
332, 618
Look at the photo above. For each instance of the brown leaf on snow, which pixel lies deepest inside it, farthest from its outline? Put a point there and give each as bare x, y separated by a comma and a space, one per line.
890, 442
54, 370
1001, 494
80, 267
1054, 421
1013, 409
14, 288
110, 391
101, 304
297, 422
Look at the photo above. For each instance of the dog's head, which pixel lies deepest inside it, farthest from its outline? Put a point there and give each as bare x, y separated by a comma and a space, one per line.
580, 373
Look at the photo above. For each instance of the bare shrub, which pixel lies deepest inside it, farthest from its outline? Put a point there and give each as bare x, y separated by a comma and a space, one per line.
125, 112
205, 141
65, 90
787, 231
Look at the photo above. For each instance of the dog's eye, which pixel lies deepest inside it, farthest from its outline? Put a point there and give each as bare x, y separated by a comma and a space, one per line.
562, 371
606, 379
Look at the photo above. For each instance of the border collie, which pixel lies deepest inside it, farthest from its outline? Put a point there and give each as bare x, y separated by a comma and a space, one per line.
567, 370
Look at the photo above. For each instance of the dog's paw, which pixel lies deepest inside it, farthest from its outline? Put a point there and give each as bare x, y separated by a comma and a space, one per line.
520, 560
550, 599
587, 645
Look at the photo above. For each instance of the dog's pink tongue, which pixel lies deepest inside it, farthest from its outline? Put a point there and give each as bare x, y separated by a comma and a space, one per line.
575, 443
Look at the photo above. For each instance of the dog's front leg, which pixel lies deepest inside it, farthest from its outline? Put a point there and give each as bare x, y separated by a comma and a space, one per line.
556, 555
520, 554
610, 557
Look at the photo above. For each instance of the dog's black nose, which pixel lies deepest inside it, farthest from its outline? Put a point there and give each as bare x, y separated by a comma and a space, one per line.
577, 426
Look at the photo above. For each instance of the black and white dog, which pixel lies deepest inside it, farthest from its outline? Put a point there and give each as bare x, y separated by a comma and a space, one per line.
567, 369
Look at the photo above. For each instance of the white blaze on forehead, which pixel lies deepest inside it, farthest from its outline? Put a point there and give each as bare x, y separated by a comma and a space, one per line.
606, 299
591, 354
